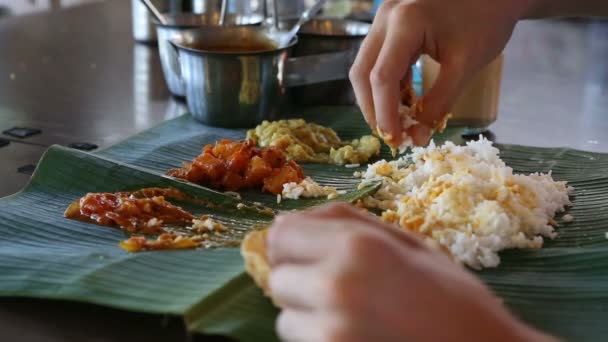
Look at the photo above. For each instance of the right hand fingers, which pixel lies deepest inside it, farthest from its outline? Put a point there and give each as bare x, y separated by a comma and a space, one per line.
438, 101
366, 58
393, 45
401, 48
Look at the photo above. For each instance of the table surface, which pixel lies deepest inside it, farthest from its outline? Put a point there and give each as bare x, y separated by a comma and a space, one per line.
77, 75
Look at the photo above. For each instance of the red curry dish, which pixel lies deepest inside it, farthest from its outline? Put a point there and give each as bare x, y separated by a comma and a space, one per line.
233, 166
140, 212
145, 213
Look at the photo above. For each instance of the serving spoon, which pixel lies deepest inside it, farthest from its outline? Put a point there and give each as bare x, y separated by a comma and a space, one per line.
285, 39
223, 10
155, 12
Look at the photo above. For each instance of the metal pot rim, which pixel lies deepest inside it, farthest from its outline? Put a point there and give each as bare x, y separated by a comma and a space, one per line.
304, 32
190, 50
325, 36
257, 19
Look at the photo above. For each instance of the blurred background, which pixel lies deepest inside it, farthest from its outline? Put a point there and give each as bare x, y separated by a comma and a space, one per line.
334, 7
73, 71
21, 7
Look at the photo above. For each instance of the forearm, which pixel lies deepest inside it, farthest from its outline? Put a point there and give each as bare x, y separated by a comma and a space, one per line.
565, 8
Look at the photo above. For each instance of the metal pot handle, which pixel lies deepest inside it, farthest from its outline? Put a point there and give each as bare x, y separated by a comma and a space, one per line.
318, 68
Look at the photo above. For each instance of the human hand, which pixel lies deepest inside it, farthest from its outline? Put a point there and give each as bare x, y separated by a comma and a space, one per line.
463, 36
341, 275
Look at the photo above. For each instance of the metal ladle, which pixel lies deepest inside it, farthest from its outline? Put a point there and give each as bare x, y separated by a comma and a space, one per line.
155, 12
306, 16
223, 10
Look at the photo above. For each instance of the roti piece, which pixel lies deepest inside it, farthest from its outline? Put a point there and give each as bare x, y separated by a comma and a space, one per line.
253, 250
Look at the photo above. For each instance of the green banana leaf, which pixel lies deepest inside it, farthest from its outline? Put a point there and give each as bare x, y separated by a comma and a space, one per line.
562, 288
181, 139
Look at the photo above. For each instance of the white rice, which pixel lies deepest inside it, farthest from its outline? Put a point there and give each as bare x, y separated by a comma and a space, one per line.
308, 188
234, 194
207, 224
466, 199
568, 218
407, 121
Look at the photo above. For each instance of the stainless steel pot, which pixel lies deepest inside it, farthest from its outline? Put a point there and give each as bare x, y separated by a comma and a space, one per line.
241, 7
179, 25
240, 89
324, 36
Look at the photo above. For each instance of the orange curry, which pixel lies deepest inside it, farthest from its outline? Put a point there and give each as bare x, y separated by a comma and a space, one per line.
233, 166
143, 212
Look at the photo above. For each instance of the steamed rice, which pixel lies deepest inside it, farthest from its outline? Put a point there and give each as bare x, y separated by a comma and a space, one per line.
466, 199
308, 188
407, 116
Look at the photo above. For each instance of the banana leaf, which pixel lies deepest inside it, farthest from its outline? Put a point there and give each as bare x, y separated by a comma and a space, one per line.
562, 288
44, 255
181, 139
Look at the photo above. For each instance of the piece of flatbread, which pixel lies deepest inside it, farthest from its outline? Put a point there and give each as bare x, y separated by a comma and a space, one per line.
253, 250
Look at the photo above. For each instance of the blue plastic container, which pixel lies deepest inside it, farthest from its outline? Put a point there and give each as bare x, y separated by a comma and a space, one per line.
377, 4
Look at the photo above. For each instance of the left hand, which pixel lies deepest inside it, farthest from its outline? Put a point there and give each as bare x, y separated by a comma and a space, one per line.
341, 275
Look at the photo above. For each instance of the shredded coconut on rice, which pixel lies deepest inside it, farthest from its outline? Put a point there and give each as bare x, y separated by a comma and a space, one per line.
308, 188
466, 199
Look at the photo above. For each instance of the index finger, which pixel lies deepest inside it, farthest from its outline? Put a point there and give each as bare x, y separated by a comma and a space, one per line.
346, 211
299, 238
401, 46
307, 237
365, 60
